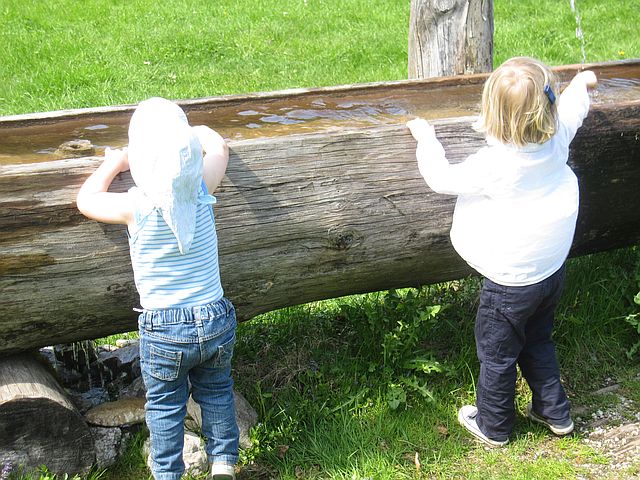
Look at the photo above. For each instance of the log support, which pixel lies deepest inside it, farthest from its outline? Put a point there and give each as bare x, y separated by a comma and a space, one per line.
450, 37
39, 425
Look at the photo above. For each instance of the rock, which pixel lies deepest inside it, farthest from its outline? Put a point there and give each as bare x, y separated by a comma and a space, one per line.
107, 442
193, 454
126, 411
193, 420
76, 148
125, 359
246, 417
107, 348
49, 355
85, 401
111, 443
135, 389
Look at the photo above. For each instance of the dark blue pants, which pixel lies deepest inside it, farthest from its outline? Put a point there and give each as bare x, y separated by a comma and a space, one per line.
514, 327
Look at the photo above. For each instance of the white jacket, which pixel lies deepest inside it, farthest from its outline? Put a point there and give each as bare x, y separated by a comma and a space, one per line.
516, 211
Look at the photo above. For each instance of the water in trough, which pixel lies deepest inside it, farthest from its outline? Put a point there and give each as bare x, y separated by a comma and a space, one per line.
286, 115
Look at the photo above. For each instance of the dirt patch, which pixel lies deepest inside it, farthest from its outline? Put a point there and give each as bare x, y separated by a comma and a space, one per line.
614, 432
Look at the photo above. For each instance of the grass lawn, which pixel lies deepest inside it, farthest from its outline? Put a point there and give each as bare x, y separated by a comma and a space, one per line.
69, 54
364, 387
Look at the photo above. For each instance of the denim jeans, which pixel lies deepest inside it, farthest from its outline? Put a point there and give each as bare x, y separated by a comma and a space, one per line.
181, 346
514, 327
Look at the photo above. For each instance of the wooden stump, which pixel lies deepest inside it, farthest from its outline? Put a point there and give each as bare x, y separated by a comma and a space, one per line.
450, 37
38, 423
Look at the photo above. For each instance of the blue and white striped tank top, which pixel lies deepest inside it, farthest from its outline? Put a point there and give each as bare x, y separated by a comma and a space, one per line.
164, 278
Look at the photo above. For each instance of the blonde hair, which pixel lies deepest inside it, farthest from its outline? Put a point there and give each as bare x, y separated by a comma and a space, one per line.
516, 109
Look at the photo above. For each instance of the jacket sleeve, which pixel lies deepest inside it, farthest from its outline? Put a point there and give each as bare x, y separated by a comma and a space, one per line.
466, 178
573, 107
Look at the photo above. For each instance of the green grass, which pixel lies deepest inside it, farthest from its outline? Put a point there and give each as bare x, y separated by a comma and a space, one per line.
68, 54
331, 380
308, 368
547, 30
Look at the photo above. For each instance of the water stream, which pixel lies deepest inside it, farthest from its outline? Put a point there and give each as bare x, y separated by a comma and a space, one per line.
579, 33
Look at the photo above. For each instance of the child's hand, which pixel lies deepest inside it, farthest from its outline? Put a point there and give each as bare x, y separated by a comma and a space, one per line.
421, 129
588, 77
118, 158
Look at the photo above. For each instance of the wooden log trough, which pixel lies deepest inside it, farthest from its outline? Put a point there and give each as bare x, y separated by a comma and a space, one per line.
322, 198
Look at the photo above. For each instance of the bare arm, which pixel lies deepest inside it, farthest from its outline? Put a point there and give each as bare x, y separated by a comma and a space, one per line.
95, 202
216, 156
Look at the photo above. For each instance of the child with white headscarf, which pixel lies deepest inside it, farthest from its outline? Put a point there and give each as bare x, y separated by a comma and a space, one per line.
187, 326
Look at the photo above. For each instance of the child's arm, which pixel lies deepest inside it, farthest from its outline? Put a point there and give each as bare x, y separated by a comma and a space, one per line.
434, 167
215, 158
95, 202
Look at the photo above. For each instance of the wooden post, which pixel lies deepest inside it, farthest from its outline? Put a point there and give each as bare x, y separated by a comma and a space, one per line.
450, 37
38, 423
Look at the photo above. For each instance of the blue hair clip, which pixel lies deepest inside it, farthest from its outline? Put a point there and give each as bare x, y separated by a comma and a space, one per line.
549, 93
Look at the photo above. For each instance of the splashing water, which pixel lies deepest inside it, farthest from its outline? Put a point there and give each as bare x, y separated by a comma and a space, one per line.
579, 34
6, 470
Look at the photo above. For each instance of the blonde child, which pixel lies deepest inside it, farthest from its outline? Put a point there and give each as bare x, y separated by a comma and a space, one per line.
187, 327
514, 222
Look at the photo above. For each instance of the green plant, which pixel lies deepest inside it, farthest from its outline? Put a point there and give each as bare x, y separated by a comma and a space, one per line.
633, 319
394, 329
43, 473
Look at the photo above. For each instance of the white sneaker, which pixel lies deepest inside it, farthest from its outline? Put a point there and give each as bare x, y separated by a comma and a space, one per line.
222, 471
557, 428
467, 418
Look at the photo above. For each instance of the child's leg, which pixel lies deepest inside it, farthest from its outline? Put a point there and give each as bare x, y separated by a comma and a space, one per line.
538, 360
167, 394
500, 336
212, 386
495, 390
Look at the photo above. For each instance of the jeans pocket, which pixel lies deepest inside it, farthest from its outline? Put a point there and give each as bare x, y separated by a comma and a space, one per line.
225, 353
164, 364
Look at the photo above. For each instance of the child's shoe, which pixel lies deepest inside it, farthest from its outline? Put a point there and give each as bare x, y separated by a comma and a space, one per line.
222, 471
467, 418
557, 428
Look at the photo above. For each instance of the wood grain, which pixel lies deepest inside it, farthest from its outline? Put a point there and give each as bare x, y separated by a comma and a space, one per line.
300, 218
39, 425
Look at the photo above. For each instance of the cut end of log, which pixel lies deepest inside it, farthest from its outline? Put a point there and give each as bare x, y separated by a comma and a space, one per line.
38, 423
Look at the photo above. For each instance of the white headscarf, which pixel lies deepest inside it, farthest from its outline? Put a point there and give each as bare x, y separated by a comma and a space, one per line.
165, 159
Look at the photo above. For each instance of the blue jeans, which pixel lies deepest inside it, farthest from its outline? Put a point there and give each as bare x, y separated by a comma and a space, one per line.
514, 327
183, 345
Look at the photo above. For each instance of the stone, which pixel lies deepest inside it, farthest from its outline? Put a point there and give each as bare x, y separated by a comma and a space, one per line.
85, 401
107, 348
193, 454
107, 442
123, 360
135, 389
76, 148
246, 417
126, 411
125, 342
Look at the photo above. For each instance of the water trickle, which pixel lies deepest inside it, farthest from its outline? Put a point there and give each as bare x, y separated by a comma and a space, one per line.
579, 33
79, 364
